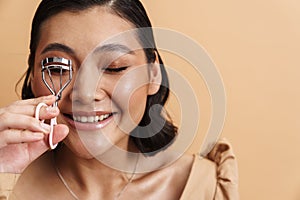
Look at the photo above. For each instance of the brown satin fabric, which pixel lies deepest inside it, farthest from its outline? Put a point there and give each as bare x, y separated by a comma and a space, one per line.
214, 177
7, 182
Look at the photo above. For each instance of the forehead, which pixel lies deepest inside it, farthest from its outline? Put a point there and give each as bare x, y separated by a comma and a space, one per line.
82, 31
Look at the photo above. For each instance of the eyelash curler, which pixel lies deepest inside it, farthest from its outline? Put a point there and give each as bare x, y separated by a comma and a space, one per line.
56, 75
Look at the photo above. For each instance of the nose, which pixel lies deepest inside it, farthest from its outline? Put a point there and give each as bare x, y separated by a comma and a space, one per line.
87, 86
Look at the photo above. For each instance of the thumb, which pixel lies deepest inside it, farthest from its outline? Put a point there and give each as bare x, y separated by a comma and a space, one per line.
35, 149
59, 133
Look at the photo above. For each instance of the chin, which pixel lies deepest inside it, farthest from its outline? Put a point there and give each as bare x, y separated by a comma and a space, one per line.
77, 149
89, 147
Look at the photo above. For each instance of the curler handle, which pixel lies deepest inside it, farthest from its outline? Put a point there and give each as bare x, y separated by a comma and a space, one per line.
53, 122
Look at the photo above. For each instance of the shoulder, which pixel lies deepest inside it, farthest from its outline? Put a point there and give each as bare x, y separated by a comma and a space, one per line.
12, 183
214, 176
35, 178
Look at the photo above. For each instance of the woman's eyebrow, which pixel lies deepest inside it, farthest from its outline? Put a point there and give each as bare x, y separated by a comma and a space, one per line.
113, 48
58, 47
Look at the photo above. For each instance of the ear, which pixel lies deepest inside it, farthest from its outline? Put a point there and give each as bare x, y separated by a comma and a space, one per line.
155, 77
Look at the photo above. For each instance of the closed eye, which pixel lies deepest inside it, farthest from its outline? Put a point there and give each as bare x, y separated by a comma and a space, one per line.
115, 69
57, 69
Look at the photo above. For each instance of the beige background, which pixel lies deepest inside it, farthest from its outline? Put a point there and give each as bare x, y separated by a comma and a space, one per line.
255, 45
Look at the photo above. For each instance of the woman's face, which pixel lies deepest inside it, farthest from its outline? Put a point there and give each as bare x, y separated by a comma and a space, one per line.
107, 95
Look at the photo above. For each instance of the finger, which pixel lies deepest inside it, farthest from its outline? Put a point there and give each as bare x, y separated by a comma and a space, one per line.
49, 100
46, 112
14, 136
28, 106
17, 121
37, 148
59, 133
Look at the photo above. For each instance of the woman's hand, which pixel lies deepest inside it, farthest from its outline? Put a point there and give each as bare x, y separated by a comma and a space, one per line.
24, 138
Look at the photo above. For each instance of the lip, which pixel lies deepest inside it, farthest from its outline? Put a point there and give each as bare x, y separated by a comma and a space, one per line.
93, 113
88, 126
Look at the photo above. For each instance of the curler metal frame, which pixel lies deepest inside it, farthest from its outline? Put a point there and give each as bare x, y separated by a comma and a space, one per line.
48, 64
57, 63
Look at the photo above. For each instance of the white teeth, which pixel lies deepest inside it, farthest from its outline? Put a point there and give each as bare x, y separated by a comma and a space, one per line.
90, 119
83, 119
101, 117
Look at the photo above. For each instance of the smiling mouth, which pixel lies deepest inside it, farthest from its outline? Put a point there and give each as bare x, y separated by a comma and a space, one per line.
89, 119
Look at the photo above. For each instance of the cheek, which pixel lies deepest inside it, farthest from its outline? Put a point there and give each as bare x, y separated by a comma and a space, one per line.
131, 103
137, 104
130, 95
38, 87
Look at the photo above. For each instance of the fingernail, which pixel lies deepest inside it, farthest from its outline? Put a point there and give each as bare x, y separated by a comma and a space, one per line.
51, 109
45, 127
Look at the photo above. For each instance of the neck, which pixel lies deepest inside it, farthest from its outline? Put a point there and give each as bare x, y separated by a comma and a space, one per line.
85, 176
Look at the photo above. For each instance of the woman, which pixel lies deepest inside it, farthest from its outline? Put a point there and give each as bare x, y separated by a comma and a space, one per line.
133, 80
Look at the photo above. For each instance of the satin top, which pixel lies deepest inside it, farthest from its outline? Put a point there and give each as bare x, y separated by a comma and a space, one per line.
214, 177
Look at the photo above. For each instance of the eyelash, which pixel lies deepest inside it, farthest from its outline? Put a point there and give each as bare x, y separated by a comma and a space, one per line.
55, 70
115, 70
